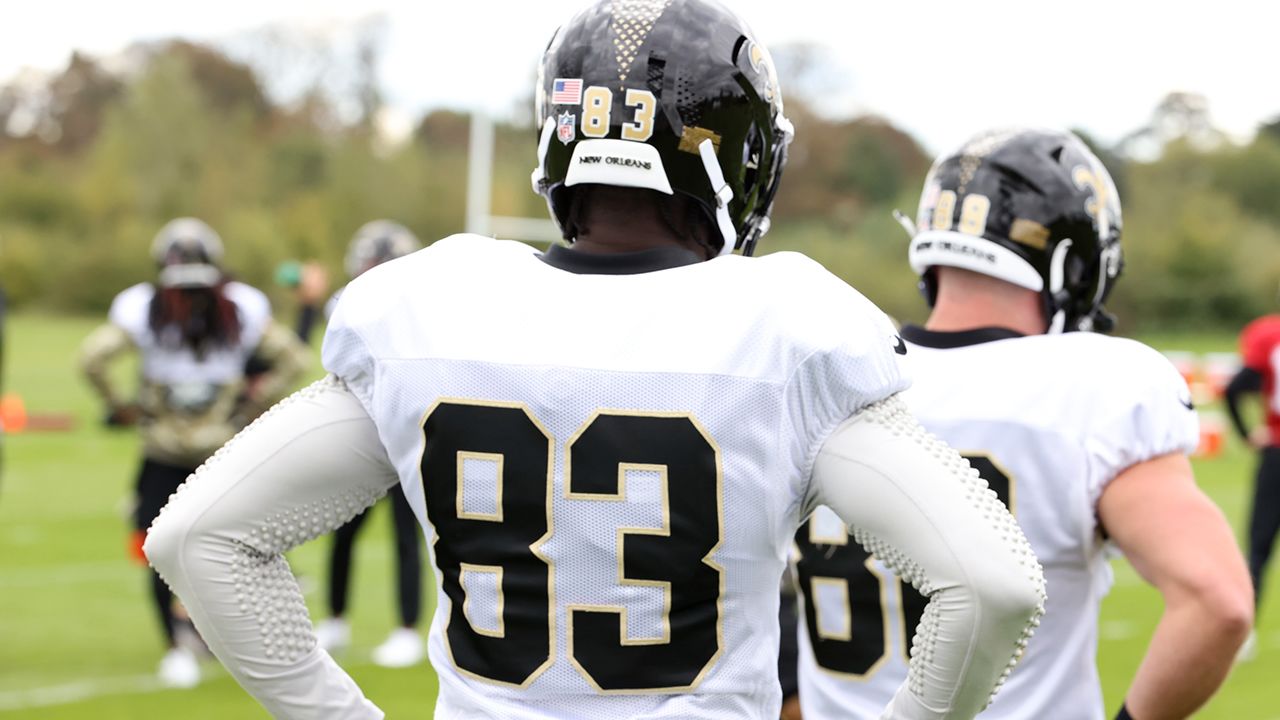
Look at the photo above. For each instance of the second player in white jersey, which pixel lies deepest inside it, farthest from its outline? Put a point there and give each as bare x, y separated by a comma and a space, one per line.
1084, 437
1048, 449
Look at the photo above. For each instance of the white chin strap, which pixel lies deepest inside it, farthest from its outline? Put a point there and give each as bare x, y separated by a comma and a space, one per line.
1058, 280
724, 195
544, 142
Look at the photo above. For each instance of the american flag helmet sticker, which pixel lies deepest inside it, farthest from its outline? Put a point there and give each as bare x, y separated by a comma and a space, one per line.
566, 91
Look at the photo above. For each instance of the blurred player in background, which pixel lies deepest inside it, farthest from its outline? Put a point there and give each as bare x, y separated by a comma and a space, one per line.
194, 329
1260, 354
374, 243
1084, 437
610, 444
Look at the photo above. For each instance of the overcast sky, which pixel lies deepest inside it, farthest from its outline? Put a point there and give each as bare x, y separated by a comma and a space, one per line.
940, 69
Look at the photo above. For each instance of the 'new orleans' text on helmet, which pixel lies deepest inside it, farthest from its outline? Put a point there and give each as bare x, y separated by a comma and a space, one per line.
1034, 208
675, 96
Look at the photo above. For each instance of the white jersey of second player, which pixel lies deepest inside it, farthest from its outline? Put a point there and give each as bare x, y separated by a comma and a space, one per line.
164, 365
1048, 420
609, 468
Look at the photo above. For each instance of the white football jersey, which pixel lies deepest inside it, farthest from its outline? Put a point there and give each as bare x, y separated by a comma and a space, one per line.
163, 365
1048, 421
609, 467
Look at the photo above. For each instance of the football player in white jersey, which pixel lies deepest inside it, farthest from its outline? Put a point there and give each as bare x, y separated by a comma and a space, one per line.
609, 444
193, 330
1085, 438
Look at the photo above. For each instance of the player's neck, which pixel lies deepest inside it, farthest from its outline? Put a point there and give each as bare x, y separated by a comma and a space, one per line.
608, 239
967, 301
624, 220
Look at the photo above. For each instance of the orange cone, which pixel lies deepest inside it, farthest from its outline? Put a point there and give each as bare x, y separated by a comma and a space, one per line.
1213, 431
13, 414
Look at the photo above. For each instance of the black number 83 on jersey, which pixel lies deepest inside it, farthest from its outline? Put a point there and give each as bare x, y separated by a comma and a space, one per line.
503, 543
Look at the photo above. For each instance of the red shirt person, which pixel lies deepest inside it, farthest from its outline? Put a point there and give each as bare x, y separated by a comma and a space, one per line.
1260, 352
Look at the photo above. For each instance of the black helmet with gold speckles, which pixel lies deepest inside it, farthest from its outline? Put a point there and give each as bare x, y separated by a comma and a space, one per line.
1035, 208
675, 96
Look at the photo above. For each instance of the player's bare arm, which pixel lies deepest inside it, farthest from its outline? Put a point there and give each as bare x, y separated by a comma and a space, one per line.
1179, 541
918, 505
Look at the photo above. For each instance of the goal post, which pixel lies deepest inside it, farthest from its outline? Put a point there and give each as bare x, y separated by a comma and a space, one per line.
480, 218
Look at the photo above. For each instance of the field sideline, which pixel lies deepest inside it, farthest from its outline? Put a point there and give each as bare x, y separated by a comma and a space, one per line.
77, 635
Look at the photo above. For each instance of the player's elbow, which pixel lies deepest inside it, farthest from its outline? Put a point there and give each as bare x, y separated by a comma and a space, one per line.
1019, 600
1222, 601
1010, 592
1228, 607
163, 545
167, 539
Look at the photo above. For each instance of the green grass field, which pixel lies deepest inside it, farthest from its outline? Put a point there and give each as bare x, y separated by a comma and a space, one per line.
77, 635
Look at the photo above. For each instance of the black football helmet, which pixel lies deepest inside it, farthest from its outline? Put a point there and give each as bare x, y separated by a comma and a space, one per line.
377, 242
1034, 208
188, 253
675, 96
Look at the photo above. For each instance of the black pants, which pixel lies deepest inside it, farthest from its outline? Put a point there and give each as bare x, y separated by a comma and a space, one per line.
156, 482
408, 566
1264, 520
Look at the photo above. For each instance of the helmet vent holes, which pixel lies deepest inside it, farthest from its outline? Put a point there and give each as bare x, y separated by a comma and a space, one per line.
657, 73
687, 102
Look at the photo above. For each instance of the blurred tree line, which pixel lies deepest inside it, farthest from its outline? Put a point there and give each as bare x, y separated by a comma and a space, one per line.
93, 160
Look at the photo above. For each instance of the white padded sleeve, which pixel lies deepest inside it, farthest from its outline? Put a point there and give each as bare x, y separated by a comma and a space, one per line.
918, 506
303, 469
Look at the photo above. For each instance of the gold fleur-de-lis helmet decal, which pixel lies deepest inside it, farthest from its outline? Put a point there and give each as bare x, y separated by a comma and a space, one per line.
762, 63
1104, 195
632, 22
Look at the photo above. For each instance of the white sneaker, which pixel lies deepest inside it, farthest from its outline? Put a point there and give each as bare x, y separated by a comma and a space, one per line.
1249, 650
179, 669
333, 635
404, 647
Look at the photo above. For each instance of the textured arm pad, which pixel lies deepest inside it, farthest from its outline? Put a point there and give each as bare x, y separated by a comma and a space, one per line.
303, 469
918, 506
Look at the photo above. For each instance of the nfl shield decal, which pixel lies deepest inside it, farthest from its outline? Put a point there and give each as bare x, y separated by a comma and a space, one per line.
567, 128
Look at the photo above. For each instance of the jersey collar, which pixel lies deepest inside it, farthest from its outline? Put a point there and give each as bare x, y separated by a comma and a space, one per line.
631, 263
917, 335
